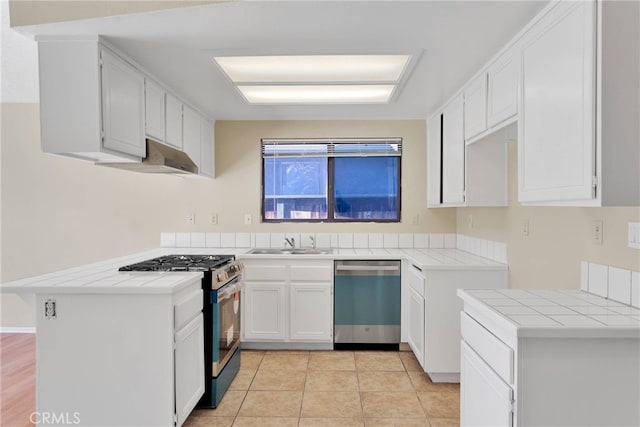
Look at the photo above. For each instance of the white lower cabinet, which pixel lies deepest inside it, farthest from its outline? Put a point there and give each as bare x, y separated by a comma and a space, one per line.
116, 359
546, 377
264, 311
189, 370
415, 333
433, 315
485, 400
311, 314
288, 303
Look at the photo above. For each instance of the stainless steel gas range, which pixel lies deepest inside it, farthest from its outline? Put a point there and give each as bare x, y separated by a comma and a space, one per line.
221, 287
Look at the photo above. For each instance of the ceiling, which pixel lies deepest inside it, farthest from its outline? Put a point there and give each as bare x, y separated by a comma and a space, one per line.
451, 40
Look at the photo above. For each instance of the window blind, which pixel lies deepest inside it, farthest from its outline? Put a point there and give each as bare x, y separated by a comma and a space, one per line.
360, 147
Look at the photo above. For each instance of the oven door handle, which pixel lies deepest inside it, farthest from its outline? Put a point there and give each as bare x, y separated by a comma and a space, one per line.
230, 289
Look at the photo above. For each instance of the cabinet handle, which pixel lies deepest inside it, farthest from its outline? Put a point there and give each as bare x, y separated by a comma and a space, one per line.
417, 268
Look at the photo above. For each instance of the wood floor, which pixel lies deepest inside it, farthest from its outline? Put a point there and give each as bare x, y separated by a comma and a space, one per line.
17, 379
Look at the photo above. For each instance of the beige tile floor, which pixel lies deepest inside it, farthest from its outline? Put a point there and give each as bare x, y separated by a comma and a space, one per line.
332, 388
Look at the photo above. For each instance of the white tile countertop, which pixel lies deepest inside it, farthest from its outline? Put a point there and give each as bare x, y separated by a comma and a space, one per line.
565, 313
104, 277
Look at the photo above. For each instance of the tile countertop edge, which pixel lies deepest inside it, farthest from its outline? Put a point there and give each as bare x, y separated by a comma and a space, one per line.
476, 308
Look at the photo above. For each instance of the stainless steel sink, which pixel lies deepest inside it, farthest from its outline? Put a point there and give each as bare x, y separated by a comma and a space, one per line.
289, 251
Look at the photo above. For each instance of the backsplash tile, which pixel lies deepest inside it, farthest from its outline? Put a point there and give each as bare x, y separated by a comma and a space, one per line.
243, 240
617, 284
228, 240
261, 240
496, 251
376, 241
198, 240
361, 240
323, 240
450, 241
421, 241
598, 279
635, 288
436, 241
405, 240
183, 240
390, 240
167, 240
212, 240
277, 240
345, 240
307, 239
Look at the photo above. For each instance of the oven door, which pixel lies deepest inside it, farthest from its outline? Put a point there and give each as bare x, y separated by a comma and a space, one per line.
226, 315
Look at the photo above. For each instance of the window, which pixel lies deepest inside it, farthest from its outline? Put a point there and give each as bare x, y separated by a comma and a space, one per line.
339, 180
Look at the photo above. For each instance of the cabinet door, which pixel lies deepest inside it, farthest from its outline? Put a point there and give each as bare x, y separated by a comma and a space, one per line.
502, 89
434, 156
311, 312
173, 133
191, 134
122, 106
189, 367
416, 324
556, 145
154, 110
453, 153
207, 149
264, 311
475, 107
485, 400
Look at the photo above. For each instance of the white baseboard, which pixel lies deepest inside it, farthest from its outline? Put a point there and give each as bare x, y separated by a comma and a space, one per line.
17, 330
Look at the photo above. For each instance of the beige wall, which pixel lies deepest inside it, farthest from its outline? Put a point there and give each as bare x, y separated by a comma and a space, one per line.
238, 167
59, 212
559, 237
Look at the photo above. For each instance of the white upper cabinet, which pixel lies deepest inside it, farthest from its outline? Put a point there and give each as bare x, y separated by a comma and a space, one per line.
88, 110
475, 106
122, 106
173, 130
579, 108
502, 88
154, 110
434, 156
557, 135
191, 139
207, 148
453, 148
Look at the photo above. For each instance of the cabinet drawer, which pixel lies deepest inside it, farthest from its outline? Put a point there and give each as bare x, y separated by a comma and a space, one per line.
187, 309
265, 272
315, 273
494, 352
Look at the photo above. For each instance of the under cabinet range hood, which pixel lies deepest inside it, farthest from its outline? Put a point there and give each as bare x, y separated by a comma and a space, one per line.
160, 159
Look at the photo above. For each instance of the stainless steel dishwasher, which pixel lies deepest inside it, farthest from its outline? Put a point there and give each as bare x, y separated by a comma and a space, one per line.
366, 304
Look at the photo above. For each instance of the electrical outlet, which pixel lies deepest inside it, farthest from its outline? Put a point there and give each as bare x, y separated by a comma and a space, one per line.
191, 218
415, 219
213, 218
470, 221
525, 227
596, 232
248, 219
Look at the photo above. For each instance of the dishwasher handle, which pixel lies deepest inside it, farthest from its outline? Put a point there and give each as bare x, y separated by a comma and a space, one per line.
367, 268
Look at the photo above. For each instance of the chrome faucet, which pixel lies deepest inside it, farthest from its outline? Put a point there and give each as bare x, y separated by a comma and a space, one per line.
313, 242
290, 241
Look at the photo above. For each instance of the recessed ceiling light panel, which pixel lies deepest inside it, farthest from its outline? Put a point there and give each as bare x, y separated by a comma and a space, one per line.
314, 68
317, 94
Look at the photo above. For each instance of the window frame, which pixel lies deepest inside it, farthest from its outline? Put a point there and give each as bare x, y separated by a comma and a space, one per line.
330, 187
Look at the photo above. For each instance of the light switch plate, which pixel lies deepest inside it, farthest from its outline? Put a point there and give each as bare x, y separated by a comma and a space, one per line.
634, 235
